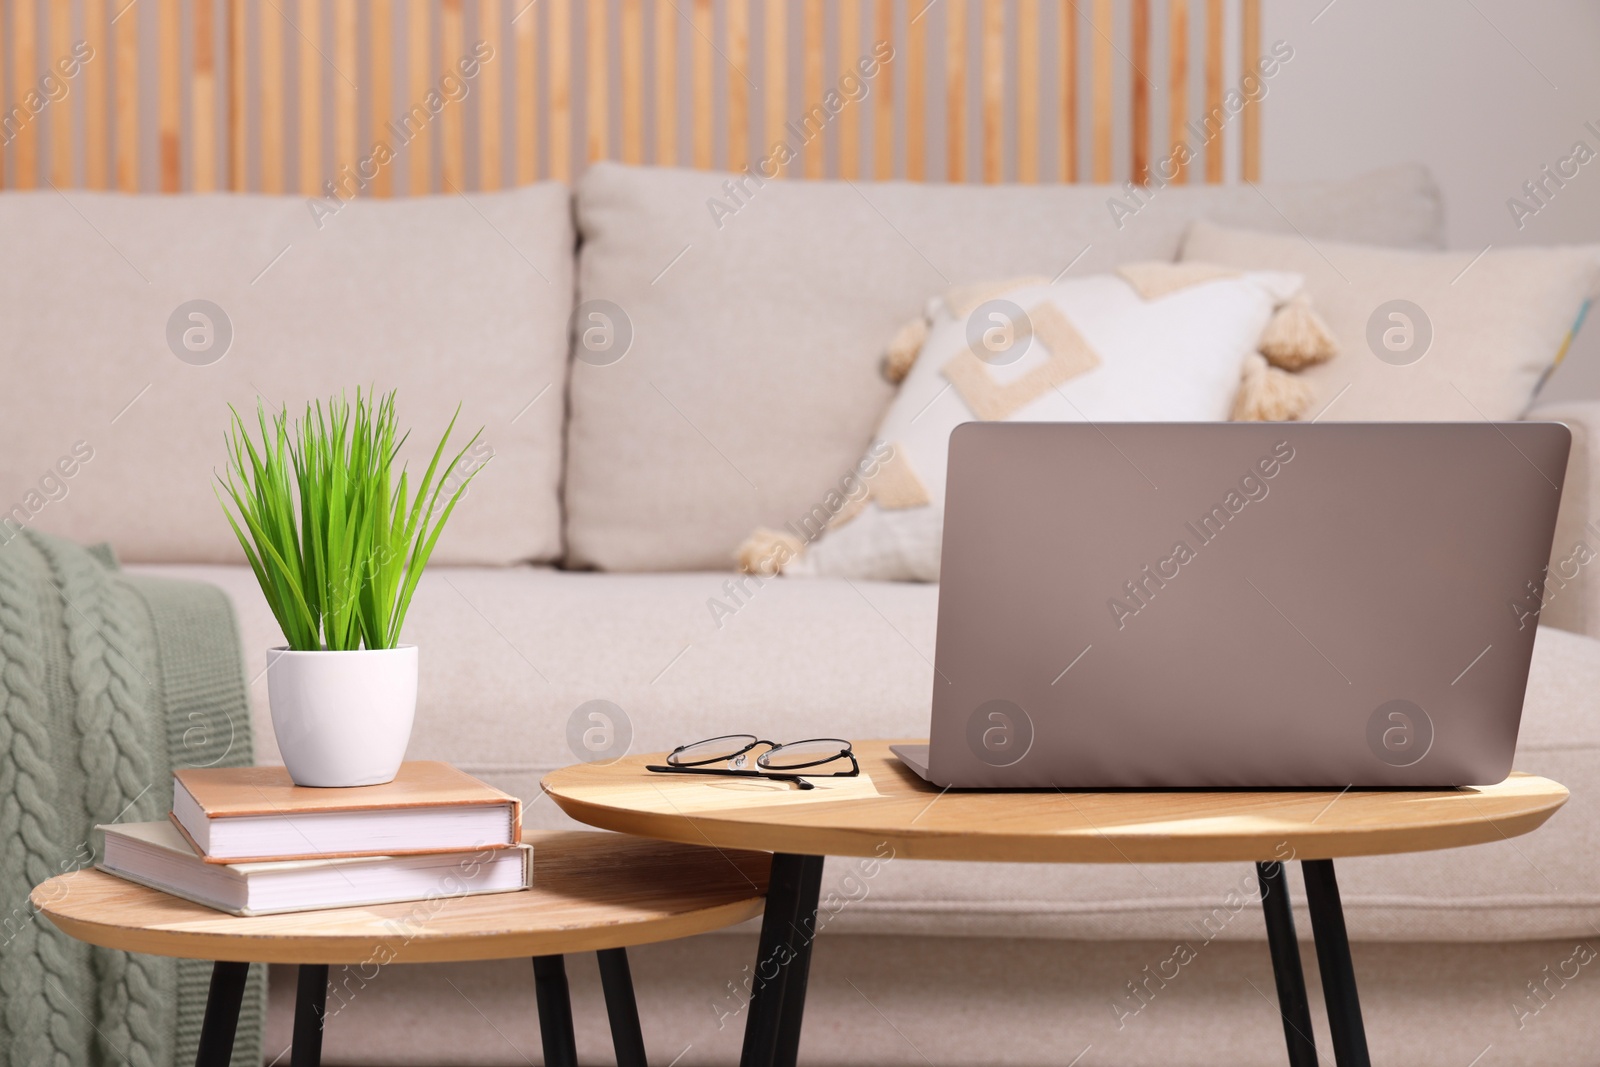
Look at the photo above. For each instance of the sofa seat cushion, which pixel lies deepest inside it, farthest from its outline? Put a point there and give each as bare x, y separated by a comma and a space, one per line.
730, 375
509, 655
448, 299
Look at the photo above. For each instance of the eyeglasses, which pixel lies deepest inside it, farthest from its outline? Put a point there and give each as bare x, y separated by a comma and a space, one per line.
791, 762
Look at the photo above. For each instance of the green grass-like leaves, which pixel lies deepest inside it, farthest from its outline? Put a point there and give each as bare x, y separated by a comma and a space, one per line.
335, 539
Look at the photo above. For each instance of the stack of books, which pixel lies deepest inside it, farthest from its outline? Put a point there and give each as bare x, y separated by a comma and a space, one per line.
248, 841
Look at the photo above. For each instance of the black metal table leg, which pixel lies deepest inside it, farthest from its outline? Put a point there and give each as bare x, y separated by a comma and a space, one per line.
783, 963
1293, 1003
555, 1011
222, 1014
310, 1006
616, 980
1333, 960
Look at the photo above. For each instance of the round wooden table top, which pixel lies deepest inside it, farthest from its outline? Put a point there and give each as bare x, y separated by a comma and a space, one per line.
890, 807
591, 891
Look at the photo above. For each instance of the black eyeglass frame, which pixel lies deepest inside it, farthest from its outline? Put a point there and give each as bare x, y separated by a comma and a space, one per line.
762, 770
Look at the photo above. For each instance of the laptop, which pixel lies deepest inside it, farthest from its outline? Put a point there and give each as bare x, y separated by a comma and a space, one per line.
1238, 605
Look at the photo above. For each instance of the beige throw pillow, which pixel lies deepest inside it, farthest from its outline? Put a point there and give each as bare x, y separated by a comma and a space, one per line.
1431, 336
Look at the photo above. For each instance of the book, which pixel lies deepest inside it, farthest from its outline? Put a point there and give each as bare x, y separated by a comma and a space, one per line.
256, 814
155, 854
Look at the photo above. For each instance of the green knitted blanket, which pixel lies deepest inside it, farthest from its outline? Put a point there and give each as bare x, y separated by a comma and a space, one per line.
107, 683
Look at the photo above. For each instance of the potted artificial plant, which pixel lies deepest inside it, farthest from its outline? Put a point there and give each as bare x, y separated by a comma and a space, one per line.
337, 542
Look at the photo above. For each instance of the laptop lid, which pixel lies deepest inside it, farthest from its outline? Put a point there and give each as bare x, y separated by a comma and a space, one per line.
1239, 604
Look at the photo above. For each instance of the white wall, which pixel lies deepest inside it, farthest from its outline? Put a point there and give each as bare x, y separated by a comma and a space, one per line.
1486, 92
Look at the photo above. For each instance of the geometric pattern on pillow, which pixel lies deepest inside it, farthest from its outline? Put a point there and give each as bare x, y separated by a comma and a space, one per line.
895, 484
992, 401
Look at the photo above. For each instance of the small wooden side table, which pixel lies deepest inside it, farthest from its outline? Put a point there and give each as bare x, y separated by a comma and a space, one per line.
592, 892
898, 811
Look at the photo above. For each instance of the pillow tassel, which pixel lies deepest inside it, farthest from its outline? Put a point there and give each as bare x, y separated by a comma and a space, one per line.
1268, 394
903, 349
766, 552
1297, 337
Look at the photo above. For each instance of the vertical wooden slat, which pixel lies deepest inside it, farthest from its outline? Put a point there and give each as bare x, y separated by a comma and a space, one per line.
237, 157
994, 90
24, 80
126, 29
1178, 86
1250, 127
775, 79
1029, 45
380, 37
666, 33
597, 71
310, 78
96, 127
917, 89
812, 42
272, 99
883, 90
955, 90
1139, 15
491, 157
62, 134
1067, 90
452, 142
559, 46
346, 135
525, 30
203, 98
701, 80
633, 81
1213, 127
850, 117
169, 93
1103, 27
737, 47
419, 77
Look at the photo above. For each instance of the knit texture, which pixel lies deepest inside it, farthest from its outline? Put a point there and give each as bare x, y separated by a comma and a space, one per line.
107, 683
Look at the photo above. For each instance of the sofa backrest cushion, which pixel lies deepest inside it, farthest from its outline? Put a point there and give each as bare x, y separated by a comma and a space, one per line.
753, 315
448, 299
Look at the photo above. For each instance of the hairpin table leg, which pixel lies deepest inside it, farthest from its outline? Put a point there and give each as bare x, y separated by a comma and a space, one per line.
616, 980
1333, 960
783, 963
1293, 1004
555, 1011
222, 1013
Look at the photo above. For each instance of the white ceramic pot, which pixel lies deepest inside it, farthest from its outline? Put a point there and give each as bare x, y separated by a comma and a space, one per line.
342, 718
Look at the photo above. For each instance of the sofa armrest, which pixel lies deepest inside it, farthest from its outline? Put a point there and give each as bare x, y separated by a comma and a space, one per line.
1572, 587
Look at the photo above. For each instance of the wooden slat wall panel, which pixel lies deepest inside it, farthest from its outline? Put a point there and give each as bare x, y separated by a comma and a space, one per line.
203, 97
994, 116
737, 49
62, 135
125, 26
1177, 85
309, 31
380, 28
775, 80
525, 31
1250, 125
632, 81
24, 77
883, 87
994, 89
702, 75
96, 122
1103, 27
850, 117
955, 90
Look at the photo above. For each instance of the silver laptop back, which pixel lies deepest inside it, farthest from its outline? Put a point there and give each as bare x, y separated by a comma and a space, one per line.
1239, 605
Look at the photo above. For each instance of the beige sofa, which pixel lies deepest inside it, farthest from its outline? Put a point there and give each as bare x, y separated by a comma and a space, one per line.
749, 386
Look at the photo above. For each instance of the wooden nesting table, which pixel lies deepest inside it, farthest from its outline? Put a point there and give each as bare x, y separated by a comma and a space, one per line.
592, 892
891, 811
